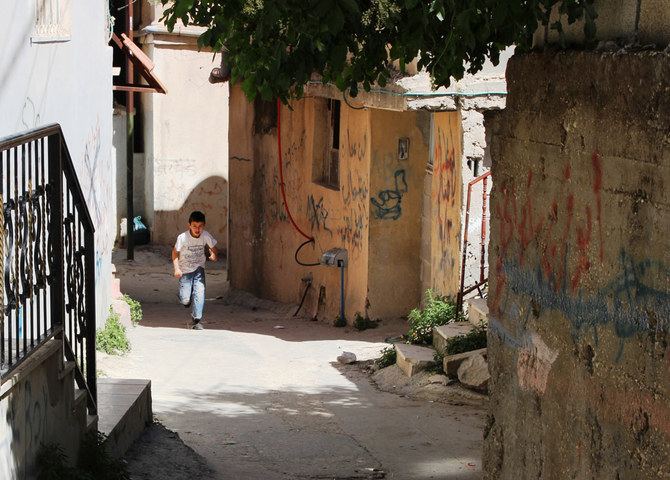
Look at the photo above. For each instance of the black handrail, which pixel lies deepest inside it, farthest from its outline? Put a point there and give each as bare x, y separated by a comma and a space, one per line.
47, 256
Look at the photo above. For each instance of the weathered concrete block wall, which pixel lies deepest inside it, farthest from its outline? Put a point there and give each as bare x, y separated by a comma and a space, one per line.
580, 269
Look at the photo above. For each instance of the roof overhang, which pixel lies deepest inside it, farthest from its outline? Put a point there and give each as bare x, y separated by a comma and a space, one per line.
142, 63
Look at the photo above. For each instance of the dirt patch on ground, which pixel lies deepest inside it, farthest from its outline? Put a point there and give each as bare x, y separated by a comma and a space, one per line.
431, 386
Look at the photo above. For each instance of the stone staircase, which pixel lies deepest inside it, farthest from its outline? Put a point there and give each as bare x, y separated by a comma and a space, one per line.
470, 368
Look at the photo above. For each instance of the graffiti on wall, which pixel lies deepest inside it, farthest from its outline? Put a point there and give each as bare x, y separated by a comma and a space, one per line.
356, 150
97, 181
388, 205
317, 215
563, 242
354, 198
444, 196
523, 223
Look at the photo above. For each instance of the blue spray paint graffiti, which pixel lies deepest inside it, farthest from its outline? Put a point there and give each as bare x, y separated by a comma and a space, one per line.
631, 303
389, 204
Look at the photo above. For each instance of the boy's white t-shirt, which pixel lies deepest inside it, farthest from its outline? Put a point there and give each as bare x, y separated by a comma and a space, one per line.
192, 250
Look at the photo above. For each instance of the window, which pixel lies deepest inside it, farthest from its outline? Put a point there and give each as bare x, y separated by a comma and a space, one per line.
52, 21
326, 169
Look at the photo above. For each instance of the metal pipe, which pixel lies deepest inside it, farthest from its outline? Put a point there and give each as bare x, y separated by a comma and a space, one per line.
130, 147
482, 259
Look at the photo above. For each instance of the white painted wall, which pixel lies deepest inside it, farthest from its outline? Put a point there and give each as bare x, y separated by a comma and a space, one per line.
186, 137
67, 82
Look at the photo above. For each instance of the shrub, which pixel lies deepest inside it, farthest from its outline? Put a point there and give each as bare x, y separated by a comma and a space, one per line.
388, 357
112, 339
340, 321
473, 340
135, 309
363, 323
439, 310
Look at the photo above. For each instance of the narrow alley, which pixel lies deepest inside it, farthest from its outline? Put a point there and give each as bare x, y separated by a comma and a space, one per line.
258, 394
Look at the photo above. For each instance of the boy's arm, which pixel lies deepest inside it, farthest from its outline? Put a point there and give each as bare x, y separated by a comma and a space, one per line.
213, 254
175, 263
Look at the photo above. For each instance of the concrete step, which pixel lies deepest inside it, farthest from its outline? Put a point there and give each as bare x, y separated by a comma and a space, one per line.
444, 332
451, 363
413, 358
478, 311
124, 409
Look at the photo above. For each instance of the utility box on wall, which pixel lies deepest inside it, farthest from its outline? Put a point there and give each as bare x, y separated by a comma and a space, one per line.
335, 257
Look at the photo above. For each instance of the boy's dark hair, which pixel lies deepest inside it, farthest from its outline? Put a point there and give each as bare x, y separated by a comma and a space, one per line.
196, 217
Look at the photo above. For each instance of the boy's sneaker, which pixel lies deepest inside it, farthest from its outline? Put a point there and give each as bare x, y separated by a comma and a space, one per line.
196, 325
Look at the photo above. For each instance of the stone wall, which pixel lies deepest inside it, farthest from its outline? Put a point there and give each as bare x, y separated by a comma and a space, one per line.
580, 269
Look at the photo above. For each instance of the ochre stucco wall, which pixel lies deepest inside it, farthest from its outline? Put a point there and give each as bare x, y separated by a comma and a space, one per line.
263, 241
446, 202
396, 194
382, 277
580, 269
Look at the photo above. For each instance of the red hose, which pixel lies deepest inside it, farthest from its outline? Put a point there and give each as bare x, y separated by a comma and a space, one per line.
281, 174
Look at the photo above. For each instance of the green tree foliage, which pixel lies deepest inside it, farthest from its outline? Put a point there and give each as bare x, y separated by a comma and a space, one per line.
274, 46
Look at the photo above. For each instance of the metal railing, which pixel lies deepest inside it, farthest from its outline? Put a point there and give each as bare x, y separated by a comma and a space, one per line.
47, 256
483, 277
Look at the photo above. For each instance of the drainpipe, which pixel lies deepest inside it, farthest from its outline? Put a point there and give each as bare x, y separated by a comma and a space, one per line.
130, 144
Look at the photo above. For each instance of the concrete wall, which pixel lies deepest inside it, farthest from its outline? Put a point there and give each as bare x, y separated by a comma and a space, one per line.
580, 260
67, 79
184, 166
396, 191
263, 241
39, 409
375, 214
446, 203
624, 22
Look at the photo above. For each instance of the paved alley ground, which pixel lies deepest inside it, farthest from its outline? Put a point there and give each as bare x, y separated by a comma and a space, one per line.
259, 395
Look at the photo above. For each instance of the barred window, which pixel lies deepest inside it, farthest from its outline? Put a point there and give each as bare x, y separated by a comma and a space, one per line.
326, 169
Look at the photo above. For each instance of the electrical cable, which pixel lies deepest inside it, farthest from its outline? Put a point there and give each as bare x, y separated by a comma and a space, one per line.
281, 178
311, 240
309, 284
344, 96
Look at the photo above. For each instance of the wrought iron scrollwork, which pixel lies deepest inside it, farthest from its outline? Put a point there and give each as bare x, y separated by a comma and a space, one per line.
46, 255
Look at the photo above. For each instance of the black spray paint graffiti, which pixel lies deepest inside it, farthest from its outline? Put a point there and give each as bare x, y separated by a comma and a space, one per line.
351, 192
389, 204
631, 303
317, 214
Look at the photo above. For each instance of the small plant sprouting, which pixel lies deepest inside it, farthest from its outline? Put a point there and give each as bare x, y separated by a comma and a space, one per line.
340, 321
363, 323
112, 339
473, 340
439, 310
135, 309
388, 357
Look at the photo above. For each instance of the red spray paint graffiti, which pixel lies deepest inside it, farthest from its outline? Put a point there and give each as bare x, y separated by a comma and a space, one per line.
529, 227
